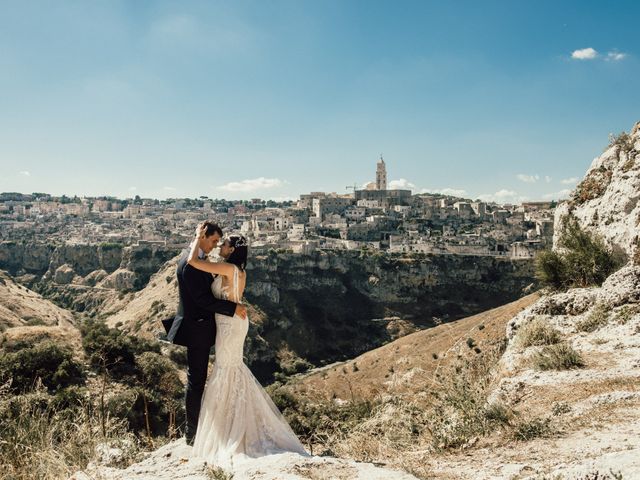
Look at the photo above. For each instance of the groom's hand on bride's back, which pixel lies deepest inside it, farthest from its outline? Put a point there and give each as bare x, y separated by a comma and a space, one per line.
241, 311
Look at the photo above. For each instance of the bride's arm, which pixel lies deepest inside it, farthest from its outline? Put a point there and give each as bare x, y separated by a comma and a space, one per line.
224, 269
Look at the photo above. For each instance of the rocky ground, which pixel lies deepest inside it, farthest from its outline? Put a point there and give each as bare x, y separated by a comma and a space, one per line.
173, 462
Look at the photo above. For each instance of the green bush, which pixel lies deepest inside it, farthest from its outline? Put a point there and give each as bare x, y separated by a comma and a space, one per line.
583, 259
112, 349
47, 362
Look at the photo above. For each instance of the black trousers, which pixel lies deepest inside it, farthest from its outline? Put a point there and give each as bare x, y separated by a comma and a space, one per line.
197, 363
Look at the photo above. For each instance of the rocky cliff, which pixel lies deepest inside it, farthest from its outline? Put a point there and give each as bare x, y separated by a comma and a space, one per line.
77, 263
336, 305
606, 201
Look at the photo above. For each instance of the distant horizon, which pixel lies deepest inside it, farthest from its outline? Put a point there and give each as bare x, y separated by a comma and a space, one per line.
492, 100
205, 198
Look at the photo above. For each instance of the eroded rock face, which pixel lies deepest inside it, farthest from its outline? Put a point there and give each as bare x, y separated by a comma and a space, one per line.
121, 279
45, 260
331, 306
64, 274
607, 201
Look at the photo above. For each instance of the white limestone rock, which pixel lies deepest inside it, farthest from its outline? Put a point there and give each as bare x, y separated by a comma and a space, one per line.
173, 462
615, 212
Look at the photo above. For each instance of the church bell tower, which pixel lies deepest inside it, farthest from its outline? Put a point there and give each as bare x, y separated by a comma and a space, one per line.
381, 175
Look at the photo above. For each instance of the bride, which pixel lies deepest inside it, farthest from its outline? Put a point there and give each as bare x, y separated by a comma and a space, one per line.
237, 418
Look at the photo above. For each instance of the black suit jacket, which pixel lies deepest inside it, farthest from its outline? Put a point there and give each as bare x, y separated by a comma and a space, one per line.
194, 325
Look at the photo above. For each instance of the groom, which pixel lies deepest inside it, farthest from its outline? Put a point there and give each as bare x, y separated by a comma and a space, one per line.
194, 325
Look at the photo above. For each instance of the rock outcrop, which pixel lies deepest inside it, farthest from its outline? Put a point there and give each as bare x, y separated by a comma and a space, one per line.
607, 200
172, 462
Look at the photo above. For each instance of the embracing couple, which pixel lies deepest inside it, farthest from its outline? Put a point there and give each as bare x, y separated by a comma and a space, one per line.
229, 415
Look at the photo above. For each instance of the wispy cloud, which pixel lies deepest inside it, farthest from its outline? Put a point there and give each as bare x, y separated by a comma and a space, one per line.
569, 181
547, 179
528, 178
454, 192
133, 189
557, 195
616, 56
180, 32
402, 184
503, 196
169, 189
25, 173
251, 185
584, 54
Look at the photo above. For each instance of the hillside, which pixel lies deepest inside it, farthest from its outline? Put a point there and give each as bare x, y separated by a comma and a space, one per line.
392, 367
25, 316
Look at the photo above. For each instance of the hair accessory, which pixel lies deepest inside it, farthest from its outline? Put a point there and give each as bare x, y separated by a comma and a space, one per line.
241, 242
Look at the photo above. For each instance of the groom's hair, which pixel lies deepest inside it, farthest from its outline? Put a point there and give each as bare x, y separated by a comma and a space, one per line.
211, 228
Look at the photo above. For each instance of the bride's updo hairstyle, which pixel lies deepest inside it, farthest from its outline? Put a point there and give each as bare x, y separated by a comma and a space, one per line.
240, 250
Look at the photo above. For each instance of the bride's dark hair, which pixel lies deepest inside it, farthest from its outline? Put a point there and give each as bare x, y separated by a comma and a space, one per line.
240, 251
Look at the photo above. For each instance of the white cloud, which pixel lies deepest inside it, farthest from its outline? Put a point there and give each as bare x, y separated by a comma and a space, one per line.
169, 189
569, 181
251, 185
133, 189
557, 195
616, 56
402, 184
25, 173
584, 54
547, 178
454, 192
528, 178
502, 196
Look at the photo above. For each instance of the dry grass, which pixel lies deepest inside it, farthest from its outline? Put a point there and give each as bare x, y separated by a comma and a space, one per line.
596, 319
561, 356
41, 440
538, 332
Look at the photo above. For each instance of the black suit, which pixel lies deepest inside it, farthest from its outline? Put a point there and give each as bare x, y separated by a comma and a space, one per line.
194, 326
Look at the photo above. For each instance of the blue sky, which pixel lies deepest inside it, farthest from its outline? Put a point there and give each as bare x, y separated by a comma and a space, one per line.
505, 100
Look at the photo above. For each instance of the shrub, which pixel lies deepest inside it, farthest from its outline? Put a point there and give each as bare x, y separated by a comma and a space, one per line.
47, 362
534, 428
538, 333
583, 259
557, 357
111, 349
597, 318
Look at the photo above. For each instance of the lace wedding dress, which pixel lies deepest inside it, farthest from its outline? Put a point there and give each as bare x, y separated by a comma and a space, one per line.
237, 418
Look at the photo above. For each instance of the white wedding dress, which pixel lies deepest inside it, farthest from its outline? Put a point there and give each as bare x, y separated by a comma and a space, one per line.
238, 420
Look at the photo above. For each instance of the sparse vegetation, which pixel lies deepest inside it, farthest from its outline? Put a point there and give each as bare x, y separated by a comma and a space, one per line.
592, 186
560, 356
626, 313
583, 259
217, 473
530, 429
41, 439
598, 317
538, 332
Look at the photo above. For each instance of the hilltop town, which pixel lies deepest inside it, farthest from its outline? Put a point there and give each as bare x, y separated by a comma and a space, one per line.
374, 217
